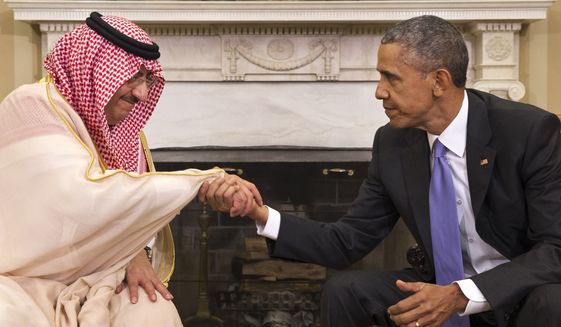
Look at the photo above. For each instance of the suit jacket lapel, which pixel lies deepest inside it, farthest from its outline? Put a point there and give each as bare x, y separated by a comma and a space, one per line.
416, 170
480, 157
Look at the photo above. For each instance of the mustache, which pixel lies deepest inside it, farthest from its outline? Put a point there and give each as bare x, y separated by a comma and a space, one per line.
131, 99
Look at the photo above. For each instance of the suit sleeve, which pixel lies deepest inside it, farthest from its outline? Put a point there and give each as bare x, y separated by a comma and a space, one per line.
337, 245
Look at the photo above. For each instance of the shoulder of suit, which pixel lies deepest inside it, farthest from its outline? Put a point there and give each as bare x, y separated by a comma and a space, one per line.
499, 106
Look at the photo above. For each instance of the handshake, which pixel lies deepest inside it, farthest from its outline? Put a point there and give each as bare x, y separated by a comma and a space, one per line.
236, 196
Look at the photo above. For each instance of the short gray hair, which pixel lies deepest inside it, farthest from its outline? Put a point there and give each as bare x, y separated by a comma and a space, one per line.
429, 43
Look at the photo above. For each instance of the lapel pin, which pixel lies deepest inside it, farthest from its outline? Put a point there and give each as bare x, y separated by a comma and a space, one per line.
483, 162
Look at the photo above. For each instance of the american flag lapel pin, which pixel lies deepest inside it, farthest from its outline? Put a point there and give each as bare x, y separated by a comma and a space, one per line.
483, 162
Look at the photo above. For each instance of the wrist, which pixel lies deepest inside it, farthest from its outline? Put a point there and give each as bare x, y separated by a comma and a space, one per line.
260, 214
461, 298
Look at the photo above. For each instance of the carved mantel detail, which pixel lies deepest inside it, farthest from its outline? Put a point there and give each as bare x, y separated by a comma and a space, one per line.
496, 59
271, 57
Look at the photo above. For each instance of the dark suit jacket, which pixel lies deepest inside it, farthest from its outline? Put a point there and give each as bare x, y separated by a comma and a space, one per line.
516, 199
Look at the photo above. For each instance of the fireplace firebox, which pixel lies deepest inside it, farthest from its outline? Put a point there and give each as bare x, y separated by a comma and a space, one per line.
245, 286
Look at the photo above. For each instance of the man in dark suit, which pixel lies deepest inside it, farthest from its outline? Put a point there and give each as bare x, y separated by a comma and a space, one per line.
504, 159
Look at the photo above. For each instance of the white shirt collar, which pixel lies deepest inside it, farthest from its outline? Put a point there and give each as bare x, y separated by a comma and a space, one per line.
455, 134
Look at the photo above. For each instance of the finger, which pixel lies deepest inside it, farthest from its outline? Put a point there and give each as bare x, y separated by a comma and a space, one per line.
219, 194
425, 322
239, 202
405, 305
243, 199
228, 195
411, 309
164, 291
413, 287
120, 288
212, 187
407, 318
238, 206
248, 195
255, 192
416, 323
202, 192
211, 193
250, 208
150, 290
133, 292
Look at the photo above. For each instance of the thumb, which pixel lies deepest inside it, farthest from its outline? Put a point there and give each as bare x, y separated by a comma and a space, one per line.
202, 192
409, 287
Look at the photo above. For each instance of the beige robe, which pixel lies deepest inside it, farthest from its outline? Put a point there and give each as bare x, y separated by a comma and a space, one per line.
68, 227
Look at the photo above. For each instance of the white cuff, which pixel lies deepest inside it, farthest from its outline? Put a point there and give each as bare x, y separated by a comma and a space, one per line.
271, 228
477, 302
151, 243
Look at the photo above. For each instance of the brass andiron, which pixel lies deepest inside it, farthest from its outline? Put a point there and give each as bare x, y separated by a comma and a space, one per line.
203, 318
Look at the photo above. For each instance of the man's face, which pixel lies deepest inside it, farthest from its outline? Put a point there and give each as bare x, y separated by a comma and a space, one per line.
123, 101
407, 93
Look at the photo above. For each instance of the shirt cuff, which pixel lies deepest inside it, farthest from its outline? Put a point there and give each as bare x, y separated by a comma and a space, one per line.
151, 243
477, 302
271, 228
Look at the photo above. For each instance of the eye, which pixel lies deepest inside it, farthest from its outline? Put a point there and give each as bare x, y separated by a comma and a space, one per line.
150, 79
392, 78
135, 77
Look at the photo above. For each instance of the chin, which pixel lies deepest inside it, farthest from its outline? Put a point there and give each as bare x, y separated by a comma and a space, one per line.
396, 123
118, 121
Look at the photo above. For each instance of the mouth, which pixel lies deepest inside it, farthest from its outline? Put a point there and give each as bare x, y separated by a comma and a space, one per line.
132, 100
390, 112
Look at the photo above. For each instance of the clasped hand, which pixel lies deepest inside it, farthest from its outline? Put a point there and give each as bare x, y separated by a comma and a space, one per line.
231, 194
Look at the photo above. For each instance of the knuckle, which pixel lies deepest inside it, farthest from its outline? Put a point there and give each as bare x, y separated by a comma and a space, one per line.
432, 317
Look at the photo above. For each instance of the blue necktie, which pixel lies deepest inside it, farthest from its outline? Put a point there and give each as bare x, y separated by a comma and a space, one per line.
445, 231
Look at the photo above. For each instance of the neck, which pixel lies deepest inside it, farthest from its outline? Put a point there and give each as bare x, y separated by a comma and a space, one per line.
446, 109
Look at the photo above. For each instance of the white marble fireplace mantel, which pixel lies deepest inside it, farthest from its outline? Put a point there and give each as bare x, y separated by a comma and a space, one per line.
167, 11
295, 73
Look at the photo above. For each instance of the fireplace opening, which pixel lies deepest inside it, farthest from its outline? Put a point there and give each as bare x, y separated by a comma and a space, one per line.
245, 286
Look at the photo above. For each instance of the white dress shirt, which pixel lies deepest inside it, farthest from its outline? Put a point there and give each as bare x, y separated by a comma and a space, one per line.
477, 255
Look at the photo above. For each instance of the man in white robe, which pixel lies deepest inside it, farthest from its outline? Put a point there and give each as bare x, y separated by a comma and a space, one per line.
79, 199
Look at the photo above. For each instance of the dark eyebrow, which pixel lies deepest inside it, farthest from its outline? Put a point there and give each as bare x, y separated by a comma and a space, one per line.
388, 74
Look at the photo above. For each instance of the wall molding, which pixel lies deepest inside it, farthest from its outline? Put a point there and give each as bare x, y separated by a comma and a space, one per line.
279, 11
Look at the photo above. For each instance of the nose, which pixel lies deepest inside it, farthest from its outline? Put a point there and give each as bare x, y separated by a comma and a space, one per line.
381, 93
141, 91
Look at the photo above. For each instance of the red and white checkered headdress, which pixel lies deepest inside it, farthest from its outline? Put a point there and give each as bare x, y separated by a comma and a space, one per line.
88, 70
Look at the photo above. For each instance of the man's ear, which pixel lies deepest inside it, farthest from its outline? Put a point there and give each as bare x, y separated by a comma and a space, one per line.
442, 82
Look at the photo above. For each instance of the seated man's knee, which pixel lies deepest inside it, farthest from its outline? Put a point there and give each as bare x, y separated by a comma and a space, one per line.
356, 298
541, 307
340, 284
144, 312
